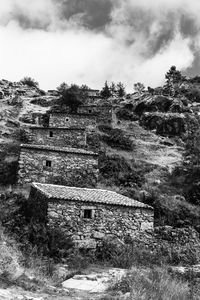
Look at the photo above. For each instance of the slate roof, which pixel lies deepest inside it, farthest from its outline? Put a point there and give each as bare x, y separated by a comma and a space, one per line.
87, 195
58, 149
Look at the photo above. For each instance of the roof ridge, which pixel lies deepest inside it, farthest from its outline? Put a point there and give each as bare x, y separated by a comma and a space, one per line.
79, 188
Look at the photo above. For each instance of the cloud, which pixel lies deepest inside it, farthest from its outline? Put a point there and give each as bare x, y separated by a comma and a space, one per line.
90, 41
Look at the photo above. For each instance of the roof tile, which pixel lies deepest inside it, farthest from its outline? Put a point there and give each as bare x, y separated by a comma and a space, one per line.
87, 195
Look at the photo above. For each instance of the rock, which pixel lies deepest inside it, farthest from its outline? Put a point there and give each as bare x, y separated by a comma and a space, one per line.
169, 124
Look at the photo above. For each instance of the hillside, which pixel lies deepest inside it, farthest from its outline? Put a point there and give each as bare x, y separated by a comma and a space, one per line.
156, 126
143, 155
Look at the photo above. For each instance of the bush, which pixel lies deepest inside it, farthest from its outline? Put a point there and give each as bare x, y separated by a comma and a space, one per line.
117, 139
118, 171
127, 115
105, 128
30, 82
155, 283
10, 258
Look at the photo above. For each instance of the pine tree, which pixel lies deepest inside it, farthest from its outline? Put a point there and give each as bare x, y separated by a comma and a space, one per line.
121, 90
105, 92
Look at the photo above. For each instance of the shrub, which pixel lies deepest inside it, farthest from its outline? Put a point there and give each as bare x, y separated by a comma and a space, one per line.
30, 82
127, 115
155, 283
10, 257
105, 128
117, 170
117, 139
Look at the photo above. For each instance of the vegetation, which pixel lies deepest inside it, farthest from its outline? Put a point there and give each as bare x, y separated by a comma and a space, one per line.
114, 90
30, 82
139, 87
72, 96
153, 283
117, 139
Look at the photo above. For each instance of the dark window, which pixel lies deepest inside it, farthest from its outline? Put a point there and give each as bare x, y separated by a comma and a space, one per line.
90, 111
87, 214
51, 133
66, 119
48, 163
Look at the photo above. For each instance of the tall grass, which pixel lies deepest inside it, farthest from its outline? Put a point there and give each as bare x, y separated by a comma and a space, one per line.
155, 284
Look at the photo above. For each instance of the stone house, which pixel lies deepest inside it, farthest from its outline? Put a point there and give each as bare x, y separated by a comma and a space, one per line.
89, 215
58, 136
64, 119
59, 165
104, 113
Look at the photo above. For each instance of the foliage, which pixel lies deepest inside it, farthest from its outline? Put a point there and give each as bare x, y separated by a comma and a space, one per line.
139, 87
30, 82
115, 170
117, 139
120, 89
105, 92
9, 168
174, 79
193, 94
153, 283
10, 257
127, 115
72, 96
17, 220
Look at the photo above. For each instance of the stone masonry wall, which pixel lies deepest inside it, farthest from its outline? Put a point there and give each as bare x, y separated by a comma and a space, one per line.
61, 137
104, 113
73, 169
108, 220
67, 121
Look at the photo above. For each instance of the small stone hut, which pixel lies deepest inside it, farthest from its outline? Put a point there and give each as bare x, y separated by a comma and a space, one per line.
58, 136
60, 165
78, 120
89, 215
104, 113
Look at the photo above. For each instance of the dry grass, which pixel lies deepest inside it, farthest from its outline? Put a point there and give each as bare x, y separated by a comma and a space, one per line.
156, 284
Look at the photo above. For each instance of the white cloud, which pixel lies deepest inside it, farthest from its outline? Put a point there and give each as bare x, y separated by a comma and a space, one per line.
63, 50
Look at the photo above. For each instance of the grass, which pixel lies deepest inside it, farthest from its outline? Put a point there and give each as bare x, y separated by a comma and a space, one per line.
153, 283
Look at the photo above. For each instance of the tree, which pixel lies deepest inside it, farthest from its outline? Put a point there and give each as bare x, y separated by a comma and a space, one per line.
62, 87
113, 89
105, 92
72, 97
30, 82
174, 79
139, 87
121, 90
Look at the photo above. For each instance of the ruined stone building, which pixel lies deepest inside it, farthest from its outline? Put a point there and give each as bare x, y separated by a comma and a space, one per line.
104, 113
89, 215
58, 136
48, 164
59, 153
78, 120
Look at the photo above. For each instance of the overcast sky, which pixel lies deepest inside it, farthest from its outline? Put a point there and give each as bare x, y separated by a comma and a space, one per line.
90, 41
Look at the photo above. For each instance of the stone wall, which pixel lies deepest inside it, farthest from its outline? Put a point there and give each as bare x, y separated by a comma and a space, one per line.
67, 168
104, 113
107, 220
72, 120
60, 137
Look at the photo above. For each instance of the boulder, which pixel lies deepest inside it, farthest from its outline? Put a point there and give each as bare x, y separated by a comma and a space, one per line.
166, 124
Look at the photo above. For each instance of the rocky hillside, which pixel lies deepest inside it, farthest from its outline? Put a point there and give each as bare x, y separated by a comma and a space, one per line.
141, 150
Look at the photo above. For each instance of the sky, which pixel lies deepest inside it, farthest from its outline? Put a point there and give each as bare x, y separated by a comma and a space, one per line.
91, 41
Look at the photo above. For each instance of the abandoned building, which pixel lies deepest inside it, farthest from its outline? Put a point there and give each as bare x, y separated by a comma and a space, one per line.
60, 165
58, 136
104, 113
63, 119
89, 215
